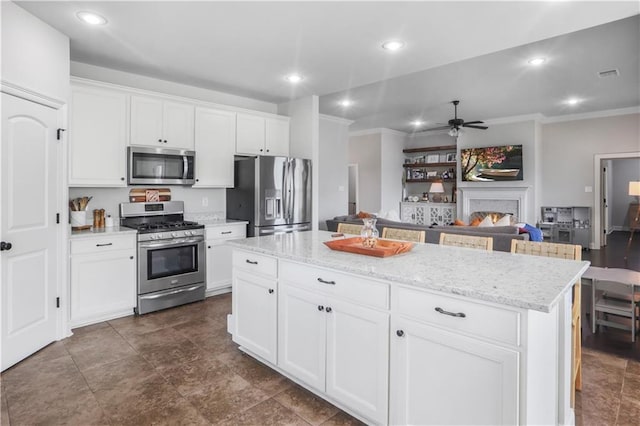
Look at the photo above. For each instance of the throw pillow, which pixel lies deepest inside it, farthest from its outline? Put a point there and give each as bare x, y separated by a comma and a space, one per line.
503, 221
475, 222
458, 222
364, 215
485, 222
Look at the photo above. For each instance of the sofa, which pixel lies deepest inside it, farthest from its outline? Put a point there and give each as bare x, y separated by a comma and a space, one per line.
502, 235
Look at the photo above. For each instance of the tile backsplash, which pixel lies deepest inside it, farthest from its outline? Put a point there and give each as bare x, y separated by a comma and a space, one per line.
194, 200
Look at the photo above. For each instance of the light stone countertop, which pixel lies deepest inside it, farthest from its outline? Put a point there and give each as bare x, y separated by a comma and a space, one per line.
518, 280
92, 233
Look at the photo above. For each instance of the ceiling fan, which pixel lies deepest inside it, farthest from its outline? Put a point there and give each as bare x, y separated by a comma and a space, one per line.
456, 123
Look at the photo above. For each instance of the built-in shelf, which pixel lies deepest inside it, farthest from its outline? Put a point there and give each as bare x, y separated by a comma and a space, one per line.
431, 148
430, 180
418, 165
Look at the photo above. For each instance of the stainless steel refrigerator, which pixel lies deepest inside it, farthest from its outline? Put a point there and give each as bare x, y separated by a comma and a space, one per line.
272, 193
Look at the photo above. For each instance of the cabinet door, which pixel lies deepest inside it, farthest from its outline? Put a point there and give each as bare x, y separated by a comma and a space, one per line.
448, 214
408, 213
277, 137
97, 138
102, 285
177, 125
434, 215
250, 134
301, 335
421, 218
255, 314
146, 122
357, 358
215, 144
218, 265
438, 377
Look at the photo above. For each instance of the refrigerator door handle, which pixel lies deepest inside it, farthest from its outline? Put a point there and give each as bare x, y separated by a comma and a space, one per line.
285, 189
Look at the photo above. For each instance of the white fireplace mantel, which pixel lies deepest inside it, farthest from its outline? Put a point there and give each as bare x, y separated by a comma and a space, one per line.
512, 200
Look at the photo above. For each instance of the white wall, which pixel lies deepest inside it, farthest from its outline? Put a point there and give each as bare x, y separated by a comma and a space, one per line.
332, 168
27, 43
304, 141
623, 171
92, 72
364, 150
523, 133
391, 170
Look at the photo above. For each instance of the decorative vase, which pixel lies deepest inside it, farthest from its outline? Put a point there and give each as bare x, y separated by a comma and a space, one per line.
369, 232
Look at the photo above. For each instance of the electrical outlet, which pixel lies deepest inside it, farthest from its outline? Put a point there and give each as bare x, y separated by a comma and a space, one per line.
588, 189
205, 201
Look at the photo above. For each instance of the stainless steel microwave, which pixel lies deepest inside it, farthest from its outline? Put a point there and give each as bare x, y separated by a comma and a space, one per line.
153, 166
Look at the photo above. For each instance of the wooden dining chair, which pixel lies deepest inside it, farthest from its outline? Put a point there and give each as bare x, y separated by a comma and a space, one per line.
469, 241
413, 235
571, 252
349, 228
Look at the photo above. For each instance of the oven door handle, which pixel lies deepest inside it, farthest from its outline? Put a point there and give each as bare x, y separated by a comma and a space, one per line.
169, 293
172, 243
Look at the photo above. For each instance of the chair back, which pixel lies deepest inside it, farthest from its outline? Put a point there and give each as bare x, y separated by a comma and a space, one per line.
350, 228
562, 251
470, 241
413, 235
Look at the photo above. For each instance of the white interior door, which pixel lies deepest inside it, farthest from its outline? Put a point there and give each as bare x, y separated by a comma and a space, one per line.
28, 222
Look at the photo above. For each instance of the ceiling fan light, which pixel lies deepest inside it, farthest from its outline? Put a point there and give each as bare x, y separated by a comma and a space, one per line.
454, 132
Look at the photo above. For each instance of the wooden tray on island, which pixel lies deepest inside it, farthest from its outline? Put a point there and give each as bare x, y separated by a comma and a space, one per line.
383, 248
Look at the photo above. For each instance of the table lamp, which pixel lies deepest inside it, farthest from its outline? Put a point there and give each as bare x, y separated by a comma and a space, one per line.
437, 189
634, 189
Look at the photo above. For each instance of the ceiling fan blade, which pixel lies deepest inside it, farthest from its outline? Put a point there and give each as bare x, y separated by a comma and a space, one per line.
437, 128
473, 122
475, 127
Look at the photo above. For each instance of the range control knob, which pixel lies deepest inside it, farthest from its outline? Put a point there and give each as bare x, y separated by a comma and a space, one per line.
174, 234
188, 233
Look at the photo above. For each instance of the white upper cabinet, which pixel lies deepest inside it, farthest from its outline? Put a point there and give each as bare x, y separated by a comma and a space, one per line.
97, 137
215, 138
161, 123
277, 136
257, 135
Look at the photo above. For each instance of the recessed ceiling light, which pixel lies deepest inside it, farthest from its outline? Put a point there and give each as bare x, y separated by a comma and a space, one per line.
537, 61
393, 45
91, 18
417, 123
294, 78
573, 101
345, 103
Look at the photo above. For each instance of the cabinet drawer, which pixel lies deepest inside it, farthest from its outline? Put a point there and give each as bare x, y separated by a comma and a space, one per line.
103, 243
229, 232
254, 262
479, 320
361, 290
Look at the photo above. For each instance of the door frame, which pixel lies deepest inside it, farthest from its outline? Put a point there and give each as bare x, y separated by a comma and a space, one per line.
354, 166
597, 191
62, 287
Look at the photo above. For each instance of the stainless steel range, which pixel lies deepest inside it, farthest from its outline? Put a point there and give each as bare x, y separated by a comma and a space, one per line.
171, 254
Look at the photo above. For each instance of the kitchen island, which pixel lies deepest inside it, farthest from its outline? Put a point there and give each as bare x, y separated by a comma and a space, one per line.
439, 335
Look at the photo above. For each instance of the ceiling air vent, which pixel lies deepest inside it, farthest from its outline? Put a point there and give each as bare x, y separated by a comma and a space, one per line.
609, 73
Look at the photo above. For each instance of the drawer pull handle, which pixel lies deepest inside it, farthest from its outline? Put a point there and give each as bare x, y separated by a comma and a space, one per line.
251, 262
326, 282
328, 309
400, 333
226, 232
270, 291
320, 308
102, 245
453, 314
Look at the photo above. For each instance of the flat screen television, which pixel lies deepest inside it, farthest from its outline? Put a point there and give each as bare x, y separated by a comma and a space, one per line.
492, 163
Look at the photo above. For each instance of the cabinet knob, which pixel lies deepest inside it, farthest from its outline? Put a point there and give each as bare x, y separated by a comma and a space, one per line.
400, 333
5, 246
260, 149
160, 140
165, 141
208, 247
131, 257
320, 308
328, 309
270, 291
197, 180
121, 178
267, 150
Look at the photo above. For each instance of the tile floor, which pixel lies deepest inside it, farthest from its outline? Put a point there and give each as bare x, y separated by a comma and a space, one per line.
180, 366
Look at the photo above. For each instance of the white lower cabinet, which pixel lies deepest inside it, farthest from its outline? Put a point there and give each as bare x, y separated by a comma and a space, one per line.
443, 378
255, 306
337, 347
219, 255
103, 278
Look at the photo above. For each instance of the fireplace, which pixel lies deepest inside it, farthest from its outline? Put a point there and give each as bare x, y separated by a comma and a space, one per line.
512, 200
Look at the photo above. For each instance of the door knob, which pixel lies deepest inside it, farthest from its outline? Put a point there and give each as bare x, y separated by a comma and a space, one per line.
400, 333
5, 246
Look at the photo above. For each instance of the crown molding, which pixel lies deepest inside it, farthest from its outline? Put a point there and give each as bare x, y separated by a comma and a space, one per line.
590, 115
380, 130
336, 119
515, 119
30, 95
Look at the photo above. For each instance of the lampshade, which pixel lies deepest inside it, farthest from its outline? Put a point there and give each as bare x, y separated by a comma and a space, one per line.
634, 188
454, 131
436, 188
